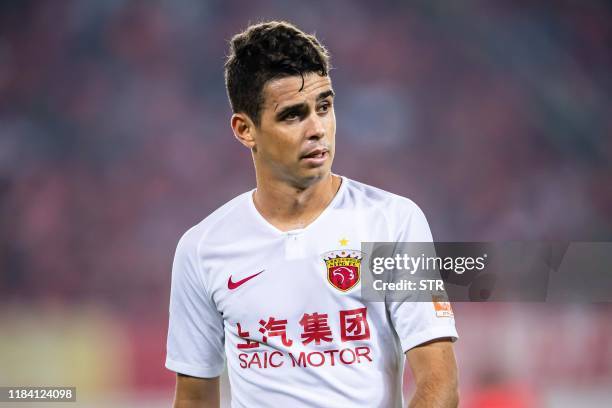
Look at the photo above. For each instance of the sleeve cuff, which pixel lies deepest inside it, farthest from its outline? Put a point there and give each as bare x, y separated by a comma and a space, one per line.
427, 335
194, 371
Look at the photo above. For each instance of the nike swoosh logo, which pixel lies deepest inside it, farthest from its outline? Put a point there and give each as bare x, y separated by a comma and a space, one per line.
233, 285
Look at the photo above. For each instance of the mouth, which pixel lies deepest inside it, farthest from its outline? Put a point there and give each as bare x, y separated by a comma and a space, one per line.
316, 157
316, 154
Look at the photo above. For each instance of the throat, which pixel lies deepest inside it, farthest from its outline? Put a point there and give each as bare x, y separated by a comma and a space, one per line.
290, 208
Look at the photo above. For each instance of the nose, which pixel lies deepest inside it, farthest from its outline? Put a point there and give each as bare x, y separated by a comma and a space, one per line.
314, 127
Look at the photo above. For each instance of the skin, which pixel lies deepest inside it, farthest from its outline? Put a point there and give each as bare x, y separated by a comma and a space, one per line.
434, 370
292, 191
192, 392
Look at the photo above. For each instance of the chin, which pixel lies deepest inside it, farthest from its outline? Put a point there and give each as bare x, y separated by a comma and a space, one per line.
313, 176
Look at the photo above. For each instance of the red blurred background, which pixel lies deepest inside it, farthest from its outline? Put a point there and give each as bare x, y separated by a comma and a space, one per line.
115, 138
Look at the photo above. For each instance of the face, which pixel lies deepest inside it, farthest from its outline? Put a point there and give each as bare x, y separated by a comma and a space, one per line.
295, 140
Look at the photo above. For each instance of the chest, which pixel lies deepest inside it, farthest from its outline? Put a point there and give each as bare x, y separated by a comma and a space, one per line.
310, 272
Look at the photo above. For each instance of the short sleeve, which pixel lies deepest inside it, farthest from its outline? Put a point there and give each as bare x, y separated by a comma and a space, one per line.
195, 330
417, 322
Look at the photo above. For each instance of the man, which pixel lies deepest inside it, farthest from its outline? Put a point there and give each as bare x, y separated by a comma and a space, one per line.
270, 281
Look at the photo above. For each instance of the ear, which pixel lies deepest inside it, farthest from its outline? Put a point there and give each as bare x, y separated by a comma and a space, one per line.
244, 129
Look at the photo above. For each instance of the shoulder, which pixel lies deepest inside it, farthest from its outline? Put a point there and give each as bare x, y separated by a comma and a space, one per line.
363, 195
404, 218
218, 220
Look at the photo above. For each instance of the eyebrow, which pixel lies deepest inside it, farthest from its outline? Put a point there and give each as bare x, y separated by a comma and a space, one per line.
325, 94
322, 95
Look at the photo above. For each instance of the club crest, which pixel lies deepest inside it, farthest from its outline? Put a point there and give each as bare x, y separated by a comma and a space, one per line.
343, 268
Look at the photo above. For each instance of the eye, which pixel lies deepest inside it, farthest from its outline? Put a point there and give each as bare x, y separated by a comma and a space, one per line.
290, 117
324, 107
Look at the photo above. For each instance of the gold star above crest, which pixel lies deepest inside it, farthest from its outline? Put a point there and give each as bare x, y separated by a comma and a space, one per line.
343, 241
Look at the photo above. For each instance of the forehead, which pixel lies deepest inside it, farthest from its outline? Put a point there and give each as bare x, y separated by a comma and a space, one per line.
286, 91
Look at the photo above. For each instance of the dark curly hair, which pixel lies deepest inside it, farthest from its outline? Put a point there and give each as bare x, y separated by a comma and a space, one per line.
265, 51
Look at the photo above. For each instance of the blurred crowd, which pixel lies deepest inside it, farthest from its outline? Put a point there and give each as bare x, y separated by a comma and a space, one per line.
494, 117
115, 135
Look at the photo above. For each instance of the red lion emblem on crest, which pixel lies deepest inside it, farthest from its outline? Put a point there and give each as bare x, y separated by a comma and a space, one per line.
343, 268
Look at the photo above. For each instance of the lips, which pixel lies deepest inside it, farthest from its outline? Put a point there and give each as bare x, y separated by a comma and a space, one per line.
317, 153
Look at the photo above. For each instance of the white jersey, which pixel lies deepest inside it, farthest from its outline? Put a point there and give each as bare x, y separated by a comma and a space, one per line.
285, 308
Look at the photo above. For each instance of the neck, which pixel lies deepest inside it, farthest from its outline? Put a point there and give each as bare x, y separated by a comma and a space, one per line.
288, 207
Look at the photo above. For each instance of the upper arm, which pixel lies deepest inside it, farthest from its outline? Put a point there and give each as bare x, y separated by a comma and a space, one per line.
194, 392
195, 344
426, 328
433, 363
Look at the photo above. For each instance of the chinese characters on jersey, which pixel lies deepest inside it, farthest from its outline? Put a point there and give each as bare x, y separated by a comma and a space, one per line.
316, 333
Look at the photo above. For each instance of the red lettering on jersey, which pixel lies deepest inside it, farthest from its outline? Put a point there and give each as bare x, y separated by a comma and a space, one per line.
255, 360
277, 364
274, 327
315, 328
331, 356
245, 334
301, 361
313, 361
243, 360
363, 351
261, 359
354, 324
350, 353
275, 359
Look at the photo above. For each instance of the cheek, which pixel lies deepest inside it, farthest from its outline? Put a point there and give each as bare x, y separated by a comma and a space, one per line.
279, 145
